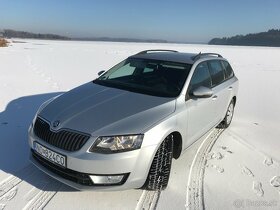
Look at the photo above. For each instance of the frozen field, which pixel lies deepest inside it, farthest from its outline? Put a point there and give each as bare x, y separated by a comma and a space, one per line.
235, 168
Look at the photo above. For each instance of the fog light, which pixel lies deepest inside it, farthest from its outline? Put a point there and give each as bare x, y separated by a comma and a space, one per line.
117, 179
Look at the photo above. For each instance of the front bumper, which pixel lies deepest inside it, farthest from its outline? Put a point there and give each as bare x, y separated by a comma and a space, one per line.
134, 165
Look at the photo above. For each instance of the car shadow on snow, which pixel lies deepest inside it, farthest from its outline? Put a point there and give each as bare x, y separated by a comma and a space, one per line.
14, 148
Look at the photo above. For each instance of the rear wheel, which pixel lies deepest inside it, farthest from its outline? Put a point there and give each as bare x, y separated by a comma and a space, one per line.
229, 115
160, 169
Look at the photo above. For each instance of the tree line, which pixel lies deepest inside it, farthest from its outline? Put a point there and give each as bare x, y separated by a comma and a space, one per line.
27, 35
270, 38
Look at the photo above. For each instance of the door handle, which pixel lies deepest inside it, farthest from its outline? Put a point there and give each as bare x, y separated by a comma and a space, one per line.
230, 88
214, 97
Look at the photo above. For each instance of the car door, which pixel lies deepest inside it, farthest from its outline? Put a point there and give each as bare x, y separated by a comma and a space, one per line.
200, 111
221, 89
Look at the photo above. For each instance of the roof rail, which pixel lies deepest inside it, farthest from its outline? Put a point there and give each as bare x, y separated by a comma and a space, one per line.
199, 55
159, 50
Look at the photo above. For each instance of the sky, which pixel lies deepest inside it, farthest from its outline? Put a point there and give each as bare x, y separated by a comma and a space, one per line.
173, 20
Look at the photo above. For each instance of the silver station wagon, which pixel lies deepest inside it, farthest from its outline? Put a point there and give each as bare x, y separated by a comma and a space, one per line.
122, 130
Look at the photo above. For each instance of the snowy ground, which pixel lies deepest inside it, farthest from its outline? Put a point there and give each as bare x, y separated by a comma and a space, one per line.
236, 168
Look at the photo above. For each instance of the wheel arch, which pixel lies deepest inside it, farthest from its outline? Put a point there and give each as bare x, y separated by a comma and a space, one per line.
177, 142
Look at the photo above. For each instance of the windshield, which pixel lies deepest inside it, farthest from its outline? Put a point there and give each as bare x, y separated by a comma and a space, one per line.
152, 77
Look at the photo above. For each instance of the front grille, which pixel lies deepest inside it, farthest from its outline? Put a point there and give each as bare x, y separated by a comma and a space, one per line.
63, 139
74, 176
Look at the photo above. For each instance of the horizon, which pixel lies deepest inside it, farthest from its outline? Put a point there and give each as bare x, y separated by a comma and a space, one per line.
144, 40
179, 21
105, 37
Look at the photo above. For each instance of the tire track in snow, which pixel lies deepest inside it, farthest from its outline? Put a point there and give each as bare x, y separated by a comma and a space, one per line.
9, 195
23, 193
195, 199
148, 200
12, 181
42, 198
8, 184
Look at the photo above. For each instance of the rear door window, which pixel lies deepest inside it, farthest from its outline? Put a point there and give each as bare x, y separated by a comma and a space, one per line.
216, 71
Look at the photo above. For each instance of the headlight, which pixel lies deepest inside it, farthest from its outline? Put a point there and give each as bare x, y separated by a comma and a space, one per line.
113, 144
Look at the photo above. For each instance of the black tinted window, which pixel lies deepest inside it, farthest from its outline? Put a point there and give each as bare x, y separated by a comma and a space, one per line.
201, 77
228, 69
216, 71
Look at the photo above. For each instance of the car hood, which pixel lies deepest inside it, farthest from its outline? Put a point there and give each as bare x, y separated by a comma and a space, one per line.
100, 110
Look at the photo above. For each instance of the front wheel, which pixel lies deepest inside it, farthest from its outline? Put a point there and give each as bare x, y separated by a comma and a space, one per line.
229, 115
160, 169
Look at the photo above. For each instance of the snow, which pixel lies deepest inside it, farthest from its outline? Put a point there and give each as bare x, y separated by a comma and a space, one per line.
246, 176
239, 168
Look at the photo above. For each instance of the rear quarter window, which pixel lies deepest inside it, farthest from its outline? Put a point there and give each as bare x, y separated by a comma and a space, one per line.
216, 71
228, 70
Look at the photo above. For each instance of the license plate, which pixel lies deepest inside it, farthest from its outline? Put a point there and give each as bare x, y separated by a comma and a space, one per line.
50, 155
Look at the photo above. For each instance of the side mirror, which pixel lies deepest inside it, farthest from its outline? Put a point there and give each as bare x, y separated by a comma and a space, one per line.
100, 73
202, 92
